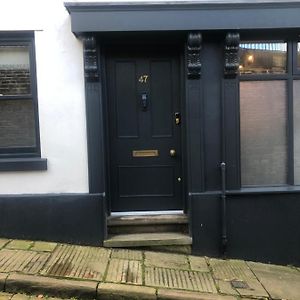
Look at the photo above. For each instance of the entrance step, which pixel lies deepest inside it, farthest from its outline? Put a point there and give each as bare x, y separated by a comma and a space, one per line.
147, 224
151, 241
161, 231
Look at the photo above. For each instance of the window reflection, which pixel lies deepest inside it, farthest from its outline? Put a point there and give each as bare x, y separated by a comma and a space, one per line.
263, 58
298, 55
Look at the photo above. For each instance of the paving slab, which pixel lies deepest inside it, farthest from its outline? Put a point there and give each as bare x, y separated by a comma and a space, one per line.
280, 282
43, 246
29, 262
234, 277
180, 249
77, 262
127, 254
30, 297
226, 288
52, 298
167, 260
198, 263
166, 294
5, 296
230, 269
124, 271
3, 242
21, 297
51, 286
113, 291
26, 297
19, 245
179, 279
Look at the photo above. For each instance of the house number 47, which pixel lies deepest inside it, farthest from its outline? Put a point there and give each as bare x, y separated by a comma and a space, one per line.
143, 78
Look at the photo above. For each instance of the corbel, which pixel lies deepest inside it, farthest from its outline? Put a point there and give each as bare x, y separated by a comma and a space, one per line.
194, 44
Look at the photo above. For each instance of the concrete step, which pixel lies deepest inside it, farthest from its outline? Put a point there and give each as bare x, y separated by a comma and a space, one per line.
147, 219
147, 239
147, 224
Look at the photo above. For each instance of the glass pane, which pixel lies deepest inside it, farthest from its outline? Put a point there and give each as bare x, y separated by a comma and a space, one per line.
14, 70
263, 126
298, 55
263, 58
297, 131
17, 125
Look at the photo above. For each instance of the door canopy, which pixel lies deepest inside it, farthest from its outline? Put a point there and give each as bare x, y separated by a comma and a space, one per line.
183, 16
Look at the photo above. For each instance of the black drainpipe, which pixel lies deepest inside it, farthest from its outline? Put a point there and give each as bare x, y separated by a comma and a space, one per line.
224, 213
231, 67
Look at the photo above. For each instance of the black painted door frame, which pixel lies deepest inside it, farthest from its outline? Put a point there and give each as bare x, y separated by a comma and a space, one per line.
103, 48
154, 181
191, 101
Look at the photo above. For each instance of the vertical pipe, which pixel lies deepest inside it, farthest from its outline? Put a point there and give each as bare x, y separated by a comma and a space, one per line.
223, 200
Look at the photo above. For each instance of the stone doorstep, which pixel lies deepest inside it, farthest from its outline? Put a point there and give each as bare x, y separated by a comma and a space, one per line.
147, 219
147, 239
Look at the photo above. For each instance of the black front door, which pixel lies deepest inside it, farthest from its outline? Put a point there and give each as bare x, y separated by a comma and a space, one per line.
144, 129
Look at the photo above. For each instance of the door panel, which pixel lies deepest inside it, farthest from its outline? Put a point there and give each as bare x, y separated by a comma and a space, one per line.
143, 97
143, 181
161, 96
125, 92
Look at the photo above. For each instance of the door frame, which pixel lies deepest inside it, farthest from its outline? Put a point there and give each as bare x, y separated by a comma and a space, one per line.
192, 100
103, 45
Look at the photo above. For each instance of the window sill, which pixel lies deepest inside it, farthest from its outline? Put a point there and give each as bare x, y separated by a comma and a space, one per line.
23, 164
266, 190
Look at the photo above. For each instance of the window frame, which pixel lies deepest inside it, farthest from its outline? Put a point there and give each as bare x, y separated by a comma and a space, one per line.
24, 158
289, 77
26, 40
296, 68
269, 75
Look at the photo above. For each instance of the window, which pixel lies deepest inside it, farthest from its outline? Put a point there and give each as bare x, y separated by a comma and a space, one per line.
296, 93
263, 127
265, 103
19, 133
298, 55
18, 115
263, 58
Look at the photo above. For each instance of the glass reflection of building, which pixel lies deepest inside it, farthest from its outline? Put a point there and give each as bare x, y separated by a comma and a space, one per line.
260, 58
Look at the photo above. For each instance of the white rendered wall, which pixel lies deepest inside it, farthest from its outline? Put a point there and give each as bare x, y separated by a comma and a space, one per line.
59, 61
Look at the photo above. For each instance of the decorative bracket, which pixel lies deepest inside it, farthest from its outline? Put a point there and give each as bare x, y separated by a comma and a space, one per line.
91, 70
232, 59
194, 42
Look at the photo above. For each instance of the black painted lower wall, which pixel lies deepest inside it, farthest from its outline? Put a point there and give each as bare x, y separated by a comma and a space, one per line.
264, 227
70, 218
261, 227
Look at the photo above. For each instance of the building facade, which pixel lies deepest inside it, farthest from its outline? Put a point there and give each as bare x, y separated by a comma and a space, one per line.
191, 107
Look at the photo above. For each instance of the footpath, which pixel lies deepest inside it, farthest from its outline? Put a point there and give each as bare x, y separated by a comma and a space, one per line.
70, 271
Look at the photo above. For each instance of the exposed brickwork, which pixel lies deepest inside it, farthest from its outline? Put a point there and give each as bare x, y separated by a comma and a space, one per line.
14, 81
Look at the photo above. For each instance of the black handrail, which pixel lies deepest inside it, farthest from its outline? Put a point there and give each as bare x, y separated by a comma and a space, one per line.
224, 213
